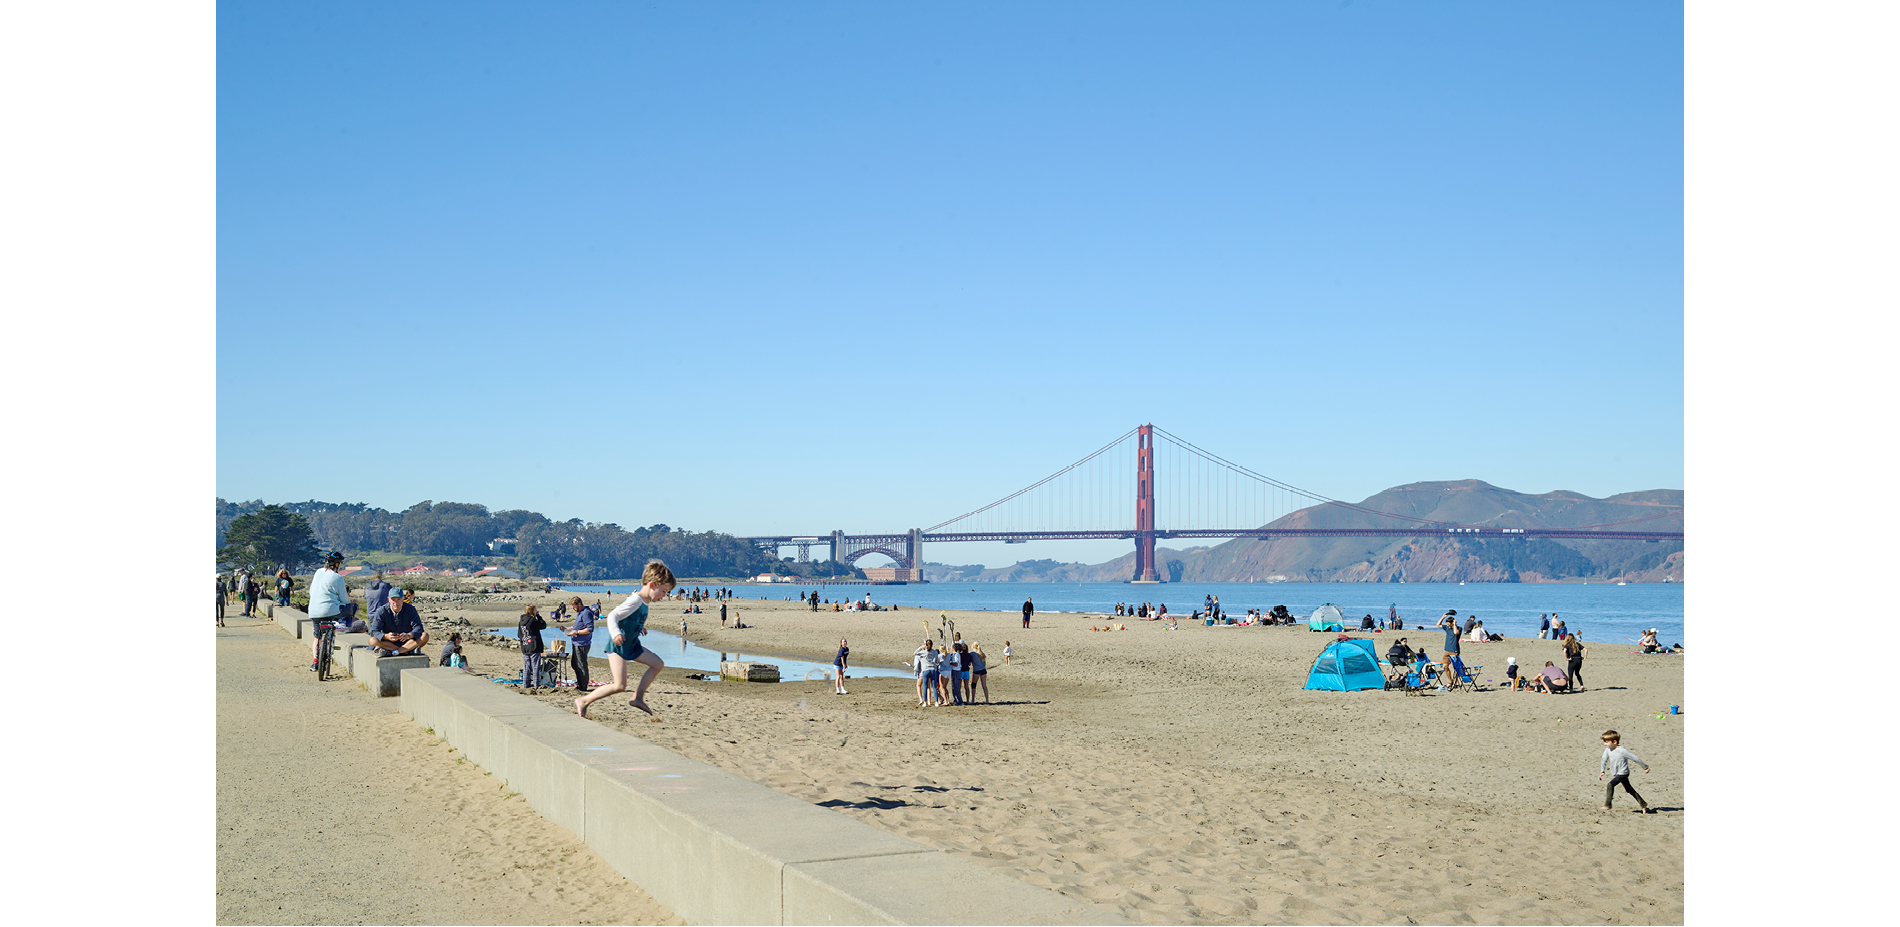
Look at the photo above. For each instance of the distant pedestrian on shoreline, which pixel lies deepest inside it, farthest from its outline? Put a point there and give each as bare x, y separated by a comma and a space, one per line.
627, 622
1029, 609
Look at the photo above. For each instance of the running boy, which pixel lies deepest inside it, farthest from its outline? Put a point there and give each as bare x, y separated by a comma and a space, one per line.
627, 622
1616, 761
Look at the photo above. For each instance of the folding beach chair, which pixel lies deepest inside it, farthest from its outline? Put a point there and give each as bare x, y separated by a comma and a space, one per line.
1414, 682
1467, 679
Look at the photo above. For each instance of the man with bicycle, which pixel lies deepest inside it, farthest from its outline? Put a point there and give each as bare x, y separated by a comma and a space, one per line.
329, 601
396, 629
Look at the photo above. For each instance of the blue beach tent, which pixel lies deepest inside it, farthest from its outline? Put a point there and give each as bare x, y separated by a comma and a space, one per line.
1347, 666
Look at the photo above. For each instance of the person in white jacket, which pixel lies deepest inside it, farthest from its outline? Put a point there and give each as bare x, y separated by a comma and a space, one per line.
925, 661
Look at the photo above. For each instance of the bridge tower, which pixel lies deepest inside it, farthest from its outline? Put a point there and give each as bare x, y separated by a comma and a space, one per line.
1145, 505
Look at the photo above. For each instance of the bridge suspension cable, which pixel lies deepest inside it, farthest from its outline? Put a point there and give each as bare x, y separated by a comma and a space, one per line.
1080, 496
1194, 490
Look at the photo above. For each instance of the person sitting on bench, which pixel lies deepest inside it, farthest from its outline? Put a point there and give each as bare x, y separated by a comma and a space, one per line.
395, 628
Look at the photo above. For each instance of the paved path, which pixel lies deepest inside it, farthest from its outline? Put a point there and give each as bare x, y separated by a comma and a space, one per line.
335, 808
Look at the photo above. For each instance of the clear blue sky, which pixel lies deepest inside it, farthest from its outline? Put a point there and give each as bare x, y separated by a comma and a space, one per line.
784, 268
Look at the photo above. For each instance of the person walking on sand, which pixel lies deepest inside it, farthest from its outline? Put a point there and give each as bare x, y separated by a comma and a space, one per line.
1616, 761
627, 622
1575, 651
220, 601
839, 664
1029, 609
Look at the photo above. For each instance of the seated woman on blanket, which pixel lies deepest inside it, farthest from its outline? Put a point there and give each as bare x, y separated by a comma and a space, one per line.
1476, 635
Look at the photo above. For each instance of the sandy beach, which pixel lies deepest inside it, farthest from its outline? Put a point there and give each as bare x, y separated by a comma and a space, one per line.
334, 808
1186, 776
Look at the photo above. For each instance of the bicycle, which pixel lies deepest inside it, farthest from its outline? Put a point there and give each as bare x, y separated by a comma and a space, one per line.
326, 645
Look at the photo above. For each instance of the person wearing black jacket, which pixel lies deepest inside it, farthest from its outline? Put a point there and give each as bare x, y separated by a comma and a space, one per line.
530, 633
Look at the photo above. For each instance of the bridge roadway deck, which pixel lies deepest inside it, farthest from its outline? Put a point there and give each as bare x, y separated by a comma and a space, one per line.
1470, 531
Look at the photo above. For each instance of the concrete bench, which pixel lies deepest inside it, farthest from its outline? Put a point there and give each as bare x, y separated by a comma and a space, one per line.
383, 675
294, 621
716, 847
746, 671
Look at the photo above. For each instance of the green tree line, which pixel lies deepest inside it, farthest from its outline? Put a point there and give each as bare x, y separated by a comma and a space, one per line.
570, 550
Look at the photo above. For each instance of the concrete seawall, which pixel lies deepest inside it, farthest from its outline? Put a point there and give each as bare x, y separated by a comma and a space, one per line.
715, 847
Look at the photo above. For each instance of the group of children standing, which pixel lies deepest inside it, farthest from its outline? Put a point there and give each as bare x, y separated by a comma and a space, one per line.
951, 676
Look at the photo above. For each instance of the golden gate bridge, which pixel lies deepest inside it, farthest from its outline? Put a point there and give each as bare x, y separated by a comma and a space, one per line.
1206, 496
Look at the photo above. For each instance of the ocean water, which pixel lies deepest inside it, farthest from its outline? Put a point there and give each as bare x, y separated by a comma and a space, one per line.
1601, 612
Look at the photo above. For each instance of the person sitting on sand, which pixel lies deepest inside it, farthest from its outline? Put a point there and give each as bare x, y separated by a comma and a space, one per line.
1476, 633
1649, 644
1550, 680
627, 622
452, 651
